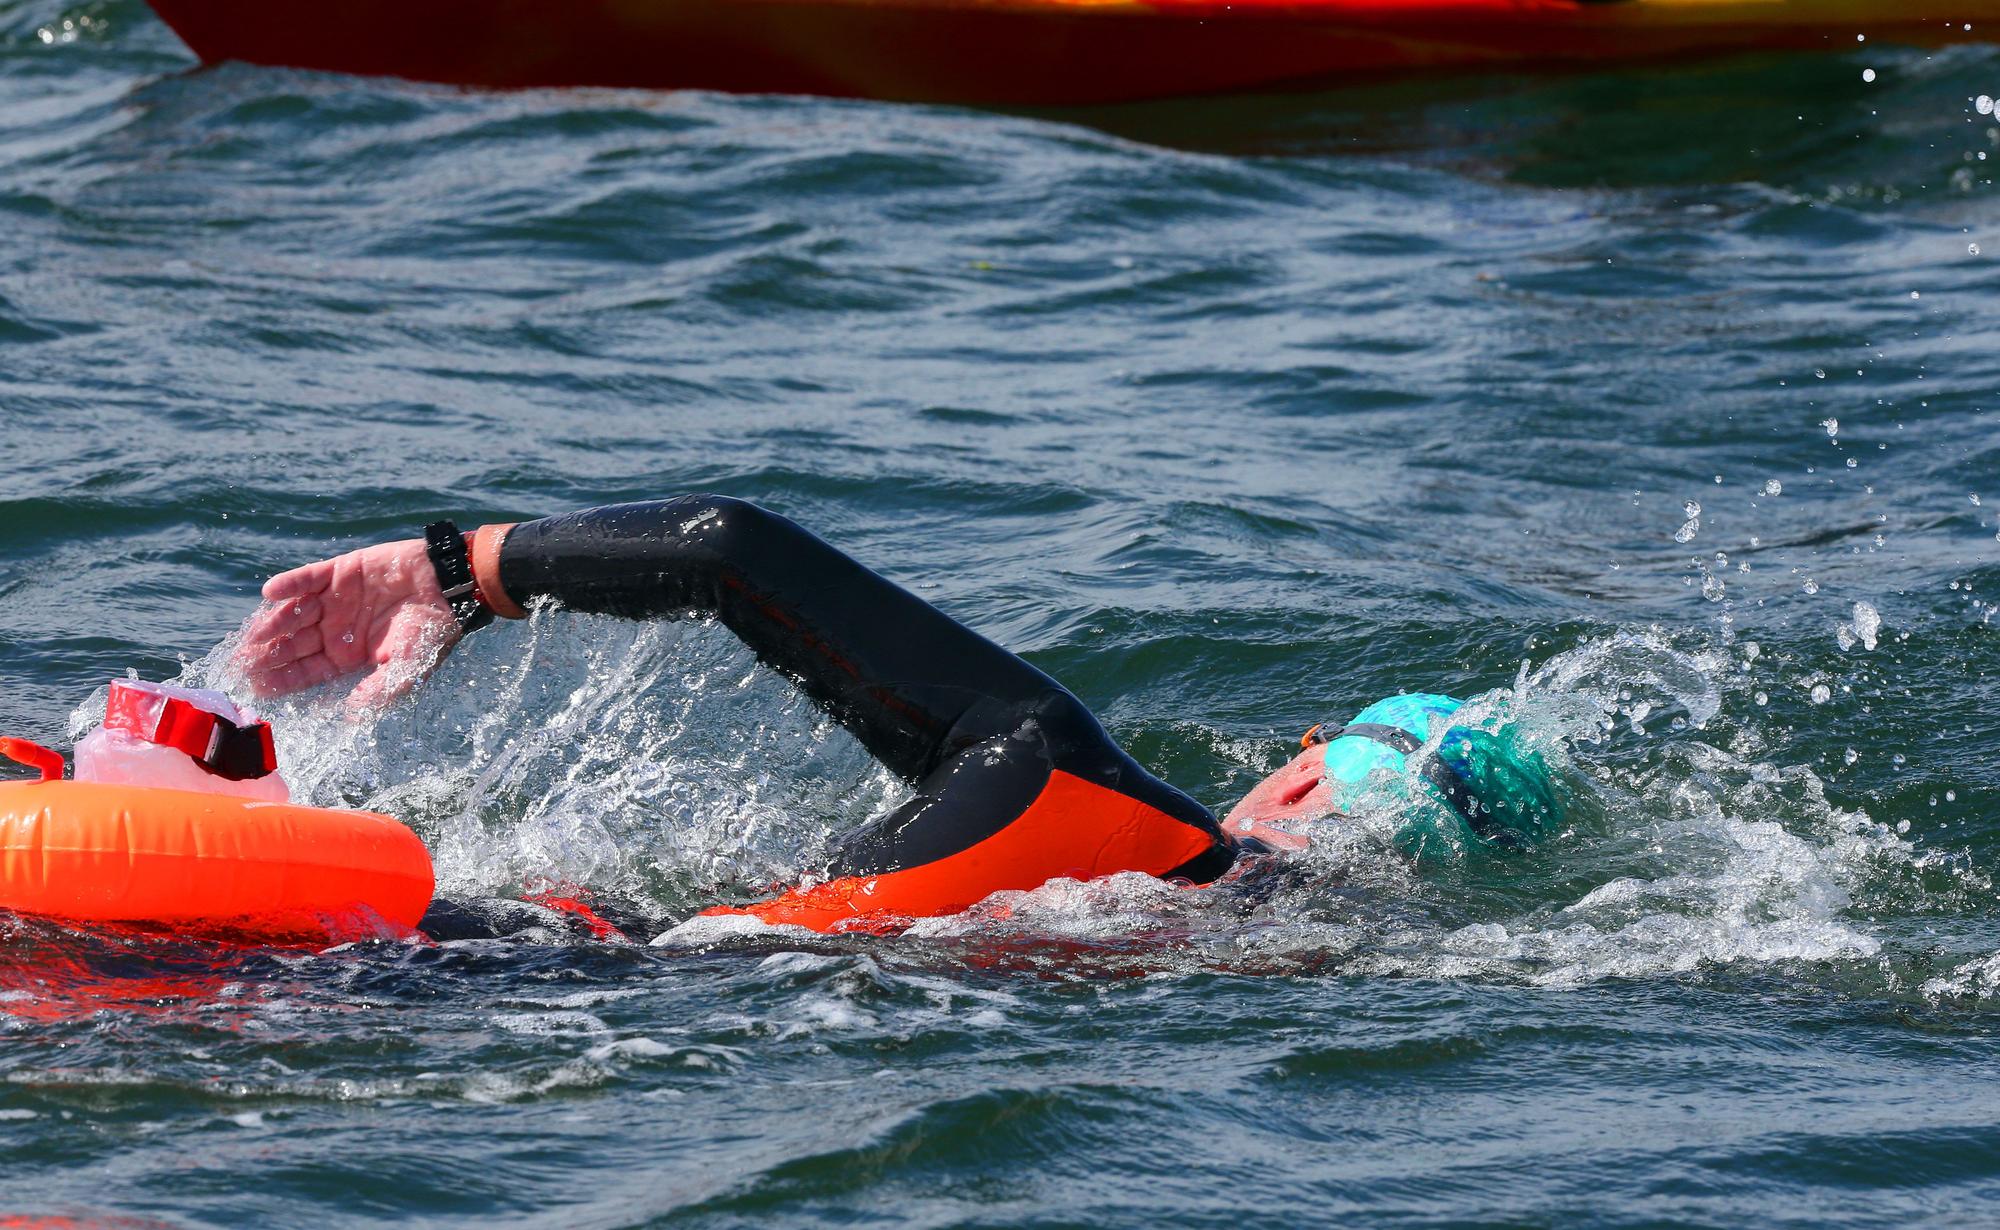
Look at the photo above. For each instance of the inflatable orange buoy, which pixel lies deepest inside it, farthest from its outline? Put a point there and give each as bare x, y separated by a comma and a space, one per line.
211, 862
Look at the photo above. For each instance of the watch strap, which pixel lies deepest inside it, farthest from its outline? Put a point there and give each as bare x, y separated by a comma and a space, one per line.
453, 565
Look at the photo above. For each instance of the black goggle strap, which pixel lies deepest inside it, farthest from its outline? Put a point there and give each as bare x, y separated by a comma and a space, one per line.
1439, 774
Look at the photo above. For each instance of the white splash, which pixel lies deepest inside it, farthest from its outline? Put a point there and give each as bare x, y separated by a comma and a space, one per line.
660, 762
1979, 979
657, 761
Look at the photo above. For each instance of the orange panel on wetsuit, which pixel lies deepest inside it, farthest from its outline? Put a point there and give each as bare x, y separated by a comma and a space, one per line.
1073, 829
1014, 782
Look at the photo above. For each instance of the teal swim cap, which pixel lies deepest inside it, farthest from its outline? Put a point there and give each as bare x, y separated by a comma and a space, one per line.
1479, 789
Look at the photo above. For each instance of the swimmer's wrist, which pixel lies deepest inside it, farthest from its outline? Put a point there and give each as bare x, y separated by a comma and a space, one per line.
485, 543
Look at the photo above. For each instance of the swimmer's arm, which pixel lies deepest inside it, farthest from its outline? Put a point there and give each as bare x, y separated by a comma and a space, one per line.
918, 689
911, 683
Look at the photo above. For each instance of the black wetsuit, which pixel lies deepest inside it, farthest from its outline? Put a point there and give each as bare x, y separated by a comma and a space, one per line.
1015, 781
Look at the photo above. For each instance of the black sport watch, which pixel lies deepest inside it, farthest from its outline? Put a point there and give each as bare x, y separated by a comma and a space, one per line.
446, 547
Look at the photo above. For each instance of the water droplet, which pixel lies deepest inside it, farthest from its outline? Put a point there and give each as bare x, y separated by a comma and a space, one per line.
1974, 497
1763, 698
1821, 694
1867, 624
1773, 487
1851, 463
1951, 796
1913, 295
1849, 756
1972, 249
1983, 104
1832, 426
1902, 826
1712, 587
1820, 372
1868, 74
1897, 760
1693, 524
1750, 651
1811, 586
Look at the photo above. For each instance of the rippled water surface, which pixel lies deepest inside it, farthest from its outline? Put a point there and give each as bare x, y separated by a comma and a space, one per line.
1666, 401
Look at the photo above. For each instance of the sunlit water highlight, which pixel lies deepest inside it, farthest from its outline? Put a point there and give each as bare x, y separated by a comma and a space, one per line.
1655, 407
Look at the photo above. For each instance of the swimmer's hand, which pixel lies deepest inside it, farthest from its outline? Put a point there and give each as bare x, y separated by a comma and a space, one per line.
378, 609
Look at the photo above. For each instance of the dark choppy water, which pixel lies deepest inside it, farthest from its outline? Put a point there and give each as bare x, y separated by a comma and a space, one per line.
1235, 415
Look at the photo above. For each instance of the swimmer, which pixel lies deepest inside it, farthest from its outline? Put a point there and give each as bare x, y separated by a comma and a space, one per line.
1015, 783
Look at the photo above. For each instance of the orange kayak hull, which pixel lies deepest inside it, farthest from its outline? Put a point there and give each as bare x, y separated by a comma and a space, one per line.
1018, 51
122, 854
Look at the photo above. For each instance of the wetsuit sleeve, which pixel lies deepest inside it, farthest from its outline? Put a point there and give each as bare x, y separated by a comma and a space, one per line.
986, 738
911, 683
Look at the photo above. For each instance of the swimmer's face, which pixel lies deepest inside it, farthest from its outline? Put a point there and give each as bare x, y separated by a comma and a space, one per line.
1296, 792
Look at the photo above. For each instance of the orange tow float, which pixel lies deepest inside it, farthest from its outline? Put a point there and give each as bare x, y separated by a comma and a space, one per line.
191, 860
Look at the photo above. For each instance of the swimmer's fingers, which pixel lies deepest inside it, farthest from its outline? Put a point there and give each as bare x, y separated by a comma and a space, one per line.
302, 643
280, 641
300, 582
263, 657
382, 574
279, 637
281, 632
329, 618
292, 677
282, 618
